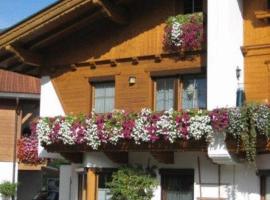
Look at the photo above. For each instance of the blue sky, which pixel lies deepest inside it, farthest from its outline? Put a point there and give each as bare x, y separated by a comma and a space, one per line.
14, 11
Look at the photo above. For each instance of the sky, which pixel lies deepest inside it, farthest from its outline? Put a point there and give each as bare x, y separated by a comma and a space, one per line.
14, 11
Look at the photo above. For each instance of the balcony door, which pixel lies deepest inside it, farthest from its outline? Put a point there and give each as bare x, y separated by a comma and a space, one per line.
177, 184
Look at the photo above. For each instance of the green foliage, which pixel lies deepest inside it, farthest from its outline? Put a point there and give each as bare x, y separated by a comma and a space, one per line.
130, 183
56, 163
187, 18
8, 189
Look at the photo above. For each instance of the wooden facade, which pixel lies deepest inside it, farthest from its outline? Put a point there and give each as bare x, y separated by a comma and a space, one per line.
132, 50
7, 131
256, 50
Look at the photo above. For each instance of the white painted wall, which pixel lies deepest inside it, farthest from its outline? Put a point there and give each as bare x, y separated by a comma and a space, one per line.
238, 182
69, 182
6, 170
50, 106
65, 182
225, 37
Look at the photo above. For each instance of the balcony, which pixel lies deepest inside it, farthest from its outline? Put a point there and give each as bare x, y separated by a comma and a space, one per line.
243, 131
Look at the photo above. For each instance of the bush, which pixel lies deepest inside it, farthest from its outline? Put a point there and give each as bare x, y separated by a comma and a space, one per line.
130, 183
8, 189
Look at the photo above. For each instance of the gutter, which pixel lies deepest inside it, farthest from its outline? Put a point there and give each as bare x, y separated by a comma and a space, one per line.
9, 95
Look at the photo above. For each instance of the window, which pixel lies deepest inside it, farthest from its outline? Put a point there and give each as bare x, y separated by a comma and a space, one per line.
103, 97
164, 93
191, 6
265, 184
194, 93
104, 177
184, 92
177, 184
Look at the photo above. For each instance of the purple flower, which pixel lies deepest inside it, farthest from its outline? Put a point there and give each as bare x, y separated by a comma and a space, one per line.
219, 119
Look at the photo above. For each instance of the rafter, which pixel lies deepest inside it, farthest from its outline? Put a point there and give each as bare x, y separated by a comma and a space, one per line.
58, 33
114, 12
25, 56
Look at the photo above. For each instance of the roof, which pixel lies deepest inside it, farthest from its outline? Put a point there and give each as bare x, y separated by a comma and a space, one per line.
11, 82
24, 47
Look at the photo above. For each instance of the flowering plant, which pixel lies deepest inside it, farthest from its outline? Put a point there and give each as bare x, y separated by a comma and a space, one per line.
28, 149
184, 32
244, 124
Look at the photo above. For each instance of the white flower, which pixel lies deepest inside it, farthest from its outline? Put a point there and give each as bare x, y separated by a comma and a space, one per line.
140, 134
43, 131
92, 138
200, 126
167, 126
176, 33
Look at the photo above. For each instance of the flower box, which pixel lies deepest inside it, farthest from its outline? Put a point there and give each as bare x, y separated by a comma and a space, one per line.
184, 33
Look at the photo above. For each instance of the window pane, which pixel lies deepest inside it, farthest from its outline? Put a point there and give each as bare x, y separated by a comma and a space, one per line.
201, 84
104, 97
164, 94
109, 90
194, 93
99, 105
191, 6
99, 90
109, 104
103, 191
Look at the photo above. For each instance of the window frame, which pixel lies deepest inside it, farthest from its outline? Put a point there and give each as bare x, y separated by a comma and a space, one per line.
178, 88
193, 3
93, 91
175, 172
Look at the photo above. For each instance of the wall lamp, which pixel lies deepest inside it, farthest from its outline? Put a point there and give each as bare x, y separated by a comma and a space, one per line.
238, 72
132, 80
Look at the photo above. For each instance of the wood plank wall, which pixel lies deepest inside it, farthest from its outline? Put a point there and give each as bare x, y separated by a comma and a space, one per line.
257, 43
7, 128
142, 37
74, 89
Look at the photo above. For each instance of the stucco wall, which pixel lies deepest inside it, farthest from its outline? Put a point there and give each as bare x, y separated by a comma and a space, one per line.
224, 39
50, 106
238, 182
6, 170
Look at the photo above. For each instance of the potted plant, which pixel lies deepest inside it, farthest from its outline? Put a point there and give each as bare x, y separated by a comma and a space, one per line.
8, 190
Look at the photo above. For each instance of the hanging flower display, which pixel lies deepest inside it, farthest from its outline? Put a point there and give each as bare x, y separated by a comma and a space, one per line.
184, 32
28, 150
150, 127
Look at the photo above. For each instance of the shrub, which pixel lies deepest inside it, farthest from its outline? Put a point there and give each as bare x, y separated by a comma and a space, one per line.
8, 189
130, 183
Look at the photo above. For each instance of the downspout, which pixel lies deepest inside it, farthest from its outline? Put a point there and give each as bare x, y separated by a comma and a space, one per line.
17, 112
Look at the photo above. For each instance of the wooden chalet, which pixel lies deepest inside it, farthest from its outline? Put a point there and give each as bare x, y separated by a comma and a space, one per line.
109, 54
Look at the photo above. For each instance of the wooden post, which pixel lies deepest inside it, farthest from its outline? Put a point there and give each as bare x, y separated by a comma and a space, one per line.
92, 185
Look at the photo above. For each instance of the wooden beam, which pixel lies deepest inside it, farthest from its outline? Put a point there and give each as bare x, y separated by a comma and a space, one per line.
113, 11
26, 117
92, 184
52, 36
166, 157
118, 157
25, 56
7, 62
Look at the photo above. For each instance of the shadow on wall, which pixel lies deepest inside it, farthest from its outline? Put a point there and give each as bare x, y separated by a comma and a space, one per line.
100, 37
